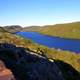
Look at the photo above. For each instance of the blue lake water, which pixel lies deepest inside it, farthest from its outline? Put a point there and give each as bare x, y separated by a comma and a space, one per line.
53, 42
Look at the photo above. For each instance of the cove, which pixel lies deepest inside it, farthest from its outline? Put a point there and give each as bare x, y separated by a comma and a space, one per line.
53, 42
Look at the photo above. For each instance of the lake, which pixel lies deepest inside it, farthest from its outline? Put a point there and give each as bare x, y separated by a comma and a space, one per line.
53, 42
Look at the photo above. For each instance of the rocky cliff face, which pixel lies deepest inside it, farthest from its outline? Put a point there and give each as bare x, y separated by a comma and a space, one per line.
27, 66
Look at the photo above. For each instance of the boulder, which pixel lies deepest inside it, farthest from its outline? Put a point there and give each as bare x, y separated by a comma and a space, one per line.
27, 66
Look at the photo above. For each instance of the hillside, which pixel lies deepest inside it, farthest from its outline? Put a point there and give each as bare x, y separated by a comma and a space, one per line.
11, 29
68, 30
66, 56
52, 55
30, 28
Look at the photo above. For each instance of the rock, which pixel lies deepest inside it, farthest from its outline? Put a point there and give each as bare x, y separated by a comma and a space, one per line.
69, 73
5, 74
11, 29
26, 66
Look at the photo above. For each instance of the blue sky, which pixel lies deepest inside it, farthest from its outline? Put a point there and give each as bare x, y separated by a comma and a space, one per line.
38, 12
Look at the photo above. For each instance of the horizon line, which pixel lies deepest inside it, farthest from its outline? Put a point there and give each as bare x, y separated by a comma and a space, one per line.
39, 24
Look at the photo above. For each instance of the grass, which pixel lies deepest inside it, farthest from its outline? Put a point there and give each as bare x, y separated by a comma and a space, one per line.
69, 30
66, 56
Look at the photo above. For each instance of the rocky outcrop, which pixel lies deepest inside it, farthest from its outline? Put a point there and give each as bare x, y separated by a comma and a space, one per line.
68, 71
11, 29
27, 66
5, 74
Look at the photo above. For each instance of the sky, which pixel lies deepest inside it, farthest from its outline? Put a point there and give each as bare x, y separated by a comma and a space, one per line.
38, 12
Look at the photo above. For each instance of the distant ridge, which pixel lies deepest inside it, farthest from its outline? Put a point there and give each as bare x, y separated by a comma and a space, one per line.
30, 28
11, 29
67, 30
